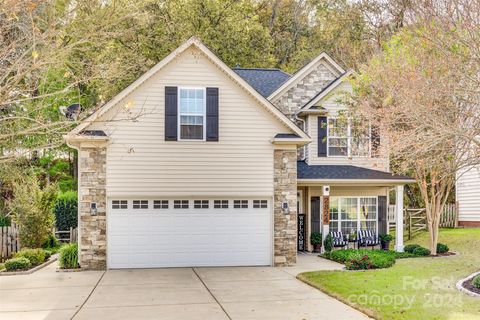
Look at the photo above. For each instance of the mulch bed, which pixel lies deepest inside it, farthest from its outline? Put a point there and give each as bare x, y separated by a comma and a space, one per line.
469, 286
446, 254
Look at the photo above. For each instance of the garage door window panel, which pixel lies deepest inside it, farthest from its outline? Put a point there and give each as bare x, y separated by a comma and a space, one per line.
260, 204
200, 204
119, 204
240, 204
140, 204
160, 204
220, 204
180, 204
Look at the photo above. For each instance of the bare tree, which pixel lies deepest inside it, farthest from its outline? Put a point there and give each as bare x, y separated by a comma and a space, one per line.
422, 92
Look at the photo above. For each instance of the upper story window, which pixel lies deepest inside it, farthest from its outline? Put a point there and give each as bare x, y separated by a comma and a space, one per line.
348, 138
191, 113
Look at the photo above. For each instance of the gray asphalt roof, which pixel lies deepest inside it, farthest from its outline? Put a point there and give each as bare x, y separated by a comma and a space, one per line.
265, 81
305, 171
96, 133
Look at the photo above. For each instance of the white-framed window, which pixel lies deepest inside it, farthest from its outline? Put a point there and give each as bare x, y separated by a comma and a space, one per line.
348, 138
191, 113
160, 204
119, 204
260, 204
180, 204
140, 204
350, 214
220, 204
240, 204
200, 204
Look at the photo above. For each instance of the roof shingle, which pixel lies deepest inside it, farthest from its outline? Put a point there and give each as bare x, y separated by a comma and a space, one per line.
265, 81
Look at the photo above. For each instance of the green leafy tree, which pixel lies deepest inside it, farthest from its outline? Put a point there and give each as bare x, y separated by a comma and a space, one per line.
32, 209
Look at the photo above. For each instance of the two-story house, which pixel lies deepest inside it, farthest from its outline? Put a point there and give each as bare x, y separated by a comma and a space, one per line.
198, 164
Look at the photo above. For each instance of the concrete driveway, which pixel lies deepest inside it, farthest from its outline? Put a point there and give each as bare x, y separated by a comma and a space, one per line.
179, 293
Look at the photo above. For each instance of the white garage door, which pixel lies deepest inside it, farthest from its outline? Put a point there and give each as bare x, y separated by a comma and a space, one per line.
184, 233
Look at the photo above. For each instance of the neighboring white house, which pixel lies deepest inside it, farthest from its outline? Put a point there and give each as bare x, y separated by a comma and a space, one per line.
468, 197
195, 164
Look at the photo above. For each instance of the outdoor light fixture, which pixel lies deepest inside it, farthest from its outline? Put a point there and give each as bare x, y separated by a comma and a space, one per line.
93, 208
285, 208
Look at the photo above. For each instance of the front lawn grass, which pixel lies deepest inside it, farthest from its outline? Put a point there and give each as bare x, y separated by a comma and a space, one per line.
414, 288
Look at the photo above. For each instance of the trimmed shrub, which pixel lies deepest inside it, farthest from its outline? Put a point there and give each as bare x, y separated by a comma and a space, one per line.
19, 263
355, 259
35, 256
403, 255
51, 242
65, 211
48, 254
421, 251
68, 258
316, 238
442, 248
476, 282
328, 243
410, 247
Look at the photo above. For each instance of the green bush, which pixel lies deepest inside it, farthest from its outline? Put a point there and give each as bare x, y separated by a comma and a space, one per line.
421, 251
403, 255
65, 211
376, 259
476, 282
35, 256
5, 221
316, 238
32, 207
410, 247
51, 242
48, 254
328, 243
442, 248
386, 237
68, 258
19, 263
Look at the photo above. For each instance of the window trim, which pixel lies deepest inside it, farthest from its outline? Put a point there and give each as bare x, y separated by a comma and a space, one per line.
358, 220
349, 140
204, 115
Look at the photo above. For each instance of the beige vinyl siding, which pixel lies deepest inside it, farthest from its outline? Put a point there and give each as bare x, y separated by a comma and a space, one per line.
141, 162
334, 106
468, 195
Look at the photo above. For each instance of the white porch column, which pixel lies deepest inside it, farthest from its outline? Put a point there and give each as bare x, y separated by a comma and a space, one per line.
399, 219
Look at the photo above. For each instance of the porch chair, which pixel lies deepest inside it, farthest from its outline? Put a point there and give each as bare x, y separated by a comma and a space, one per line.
367, 238
339, 240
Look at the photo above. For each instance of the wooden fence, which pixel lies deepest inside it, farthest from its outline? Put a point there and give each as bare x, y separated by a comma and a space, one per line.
415, 220
9, 241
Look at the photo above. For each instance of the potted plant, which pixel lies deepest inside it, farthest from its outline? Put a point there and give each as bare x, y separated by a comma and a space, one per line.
385, 241
316, 241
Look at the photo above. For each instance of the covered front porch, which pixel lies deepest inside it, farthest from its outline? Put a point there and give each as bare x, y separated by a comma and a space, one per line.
349, 204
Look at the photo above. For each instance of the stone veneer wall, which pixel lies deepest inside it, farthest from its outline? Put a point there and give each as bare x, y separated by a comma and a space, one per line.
297, 96
285, 225
92, 188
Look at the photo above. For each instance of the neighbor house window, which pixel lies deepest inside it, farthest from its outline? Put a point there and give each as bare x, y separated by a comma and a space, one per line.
348, 138
160, 204
350, 214
200, 204
191, 113
140, 204
240, 204
119, 204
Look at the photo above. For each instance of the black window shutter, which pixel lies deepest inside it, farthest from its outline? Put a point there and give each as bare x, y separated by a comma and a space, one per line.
212, 114
382, 215
322, 136
375, 141
171, 119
